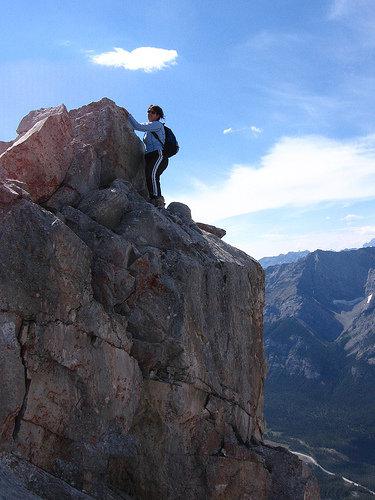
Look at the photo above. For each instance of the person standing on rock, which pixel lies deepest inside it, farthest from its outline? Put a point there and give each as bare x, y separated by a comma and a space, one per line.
154, 139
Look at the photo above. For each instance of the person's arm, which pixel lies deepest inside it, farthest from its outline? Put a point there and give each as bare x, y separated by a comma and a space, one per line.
145, 127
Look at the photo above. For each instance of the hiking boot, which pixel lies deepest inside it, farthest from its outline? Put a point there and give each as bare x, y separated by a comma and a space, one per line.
159, 202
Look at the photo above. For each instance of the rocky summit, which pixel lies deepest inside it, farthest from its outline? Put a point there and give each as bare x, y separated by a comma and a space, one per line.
131, 340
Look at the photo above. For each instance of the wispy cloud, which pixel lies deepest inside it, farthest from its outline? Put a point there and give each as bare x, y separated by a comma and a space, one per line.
352, 218
65, 43
365, 231
339, 8
310, 104
229, 130
272, 232
297, 171
146, 59
345, 8
304, 75
253, 130
265, 40
256, 130
262, 244
358, 15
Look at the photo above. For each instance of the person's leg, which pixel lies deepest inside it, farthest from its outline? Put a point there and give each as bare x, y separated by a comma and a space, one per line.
150, 160
159, 167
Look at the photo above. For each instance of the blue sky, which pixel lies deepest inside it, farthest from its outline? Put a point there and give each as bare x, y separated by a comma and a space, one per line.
272, 102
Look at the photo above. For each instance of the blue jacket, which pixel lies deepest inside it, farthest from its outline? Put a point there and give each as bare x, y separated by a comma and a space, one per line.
151, 143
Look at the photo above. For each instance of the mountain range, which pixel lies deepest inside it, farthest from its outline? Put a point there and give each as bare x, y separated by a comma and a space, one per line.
320, 344
294, 256
283, 258
370, 243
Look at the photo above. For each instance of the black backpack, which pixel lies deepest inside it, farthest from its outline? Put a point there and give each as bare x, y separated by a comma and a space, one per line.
170, 146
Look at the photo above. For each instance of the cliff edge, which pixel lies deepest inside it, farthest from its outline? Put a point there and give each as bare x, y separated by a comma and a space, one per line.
131, 339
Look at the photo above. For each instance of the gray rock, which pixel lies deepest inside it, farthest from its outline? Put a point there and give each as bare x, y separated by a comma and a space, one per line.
290, 477
12, 374
18, 478
105, 206
217, 231
181, 210
12, 190
10, 487
137, 363
105, 148
64, 196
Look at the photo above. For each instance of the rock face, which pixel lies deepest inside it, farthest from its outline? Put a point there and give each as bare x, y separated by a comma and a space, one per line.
4, 146
131, 341
41, 156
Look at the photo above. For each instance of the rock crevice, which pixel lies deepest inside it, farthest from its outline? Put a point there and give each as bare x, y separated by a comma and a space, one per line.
22, 336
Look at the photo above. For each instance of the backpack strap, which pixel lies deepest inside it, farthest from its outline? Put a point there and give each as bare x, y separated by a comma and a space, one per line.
157, 137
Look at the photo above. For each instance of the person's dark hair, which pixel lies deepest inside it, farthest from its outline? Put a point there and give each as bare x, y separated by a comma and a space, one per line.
157, 109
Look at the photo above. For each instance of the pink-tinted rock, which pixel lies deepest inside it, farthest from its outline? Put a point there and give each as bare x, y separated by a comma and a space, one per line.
36, 116
41, 156
105, 148
4, 146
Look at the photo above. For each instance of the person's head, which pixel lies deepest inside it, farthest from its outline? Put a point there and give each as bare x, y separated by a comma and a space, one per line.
154, 113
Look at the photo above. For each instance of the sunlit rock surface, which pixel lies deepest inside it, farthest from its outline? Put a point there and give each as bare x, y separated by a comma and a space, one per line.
131, 340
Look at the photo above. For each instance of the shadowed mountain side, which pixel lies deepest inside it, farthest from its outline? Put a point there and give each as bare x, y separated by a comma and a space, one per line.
319, 339
282, 258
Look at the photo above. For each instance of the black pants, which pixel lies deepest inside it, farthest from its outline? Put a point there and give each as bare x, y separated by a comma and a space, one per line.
156, 163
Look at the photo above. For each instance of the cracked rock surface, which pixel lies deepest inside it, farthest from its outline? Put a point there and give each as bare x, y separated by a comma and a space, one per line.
131, 340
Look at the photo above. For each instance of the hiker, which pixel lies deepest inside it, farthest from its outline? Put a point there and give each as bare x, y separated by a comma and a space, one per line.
156, 162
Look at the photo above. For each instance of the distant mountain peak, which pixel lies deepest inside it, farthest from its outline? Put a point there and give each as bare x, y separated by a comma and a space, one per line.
370, 243
320, 344
286, 258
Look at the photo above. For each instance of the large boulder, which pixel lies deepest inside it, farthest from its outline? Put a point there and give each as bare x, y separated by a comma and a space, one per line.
42, 155
105, 148
36, 116
60, 155
132, 339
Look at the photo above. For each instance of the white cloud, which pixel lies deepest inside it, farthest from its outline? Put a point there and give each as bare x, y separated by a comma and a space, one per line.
297, 171
365, 231
352, 218
255, 131
147, 59
260, 244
